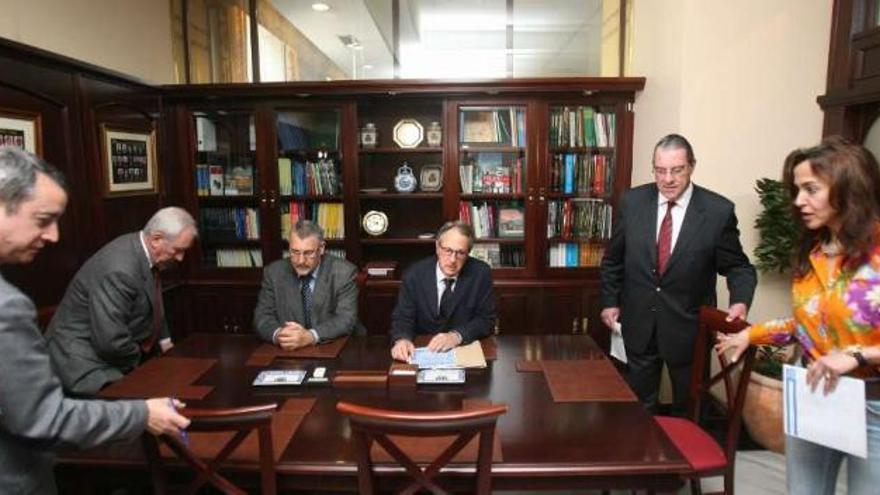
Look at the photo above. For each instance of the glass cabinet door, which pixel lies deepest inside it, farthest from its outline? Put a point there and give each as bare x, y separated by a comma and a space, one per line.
225, 180
492, 167
580, 179
310, 174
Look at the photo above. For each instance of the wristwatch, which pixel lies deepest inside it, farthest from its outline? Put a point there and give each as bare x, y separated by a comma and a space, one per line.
856, 352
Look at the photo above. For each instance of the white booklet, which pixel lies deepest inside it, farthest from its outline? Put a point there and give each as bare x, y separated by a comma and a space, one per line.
618, 350
280, 377
816, 417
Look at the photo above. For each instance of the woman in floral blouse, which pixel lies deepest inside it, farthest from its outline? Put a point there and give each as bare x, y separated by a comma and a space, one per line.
835, 188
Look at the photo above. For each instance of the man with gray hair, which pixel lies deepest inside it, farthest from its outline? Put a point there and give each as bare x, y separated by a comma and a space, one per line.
111, 316
309, 298
36, 418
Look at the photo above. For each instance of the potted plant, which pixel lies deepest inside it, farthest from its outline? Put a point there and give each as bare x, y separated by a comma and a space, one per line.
762, 413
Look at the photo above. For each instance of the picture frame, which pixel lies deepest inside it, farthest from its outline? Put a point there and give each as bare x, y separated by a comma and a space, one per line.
21, 129
511, 222
431, 178
129, 159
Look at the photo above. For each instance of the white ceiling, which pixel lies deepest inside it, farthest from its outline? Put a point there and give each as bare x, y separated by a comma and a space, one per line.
456, 38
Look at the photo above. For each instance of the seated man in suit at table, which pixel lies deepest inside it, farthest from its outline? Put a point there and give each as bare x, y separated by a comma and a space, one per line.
448, 295
36, 418
309, 298
111, 317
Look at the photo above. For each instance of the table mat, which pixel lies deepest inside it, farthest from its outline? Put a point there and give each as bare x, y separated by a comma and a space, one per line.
163, 376
266, 353
585, 380
285, 422
529, 366
489, 345
426, 449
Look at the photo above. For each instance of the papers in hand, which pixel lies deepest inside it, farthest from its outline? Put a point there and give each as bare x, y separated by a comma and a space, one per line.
816, 417
466, 356
424, 358
618, 350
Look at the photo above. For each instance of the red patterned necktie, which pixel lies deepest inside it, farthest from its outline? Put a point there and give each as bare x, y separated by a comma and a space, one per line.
664, 240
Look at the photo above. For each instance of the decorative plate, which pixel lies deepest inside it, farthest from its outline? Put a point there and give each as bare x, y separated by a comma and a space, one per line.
375, 222
408, 133
431, 178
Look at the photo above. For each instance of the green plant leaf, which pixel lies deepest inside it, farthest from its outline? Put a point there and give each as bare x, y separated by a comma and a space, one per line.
776, 226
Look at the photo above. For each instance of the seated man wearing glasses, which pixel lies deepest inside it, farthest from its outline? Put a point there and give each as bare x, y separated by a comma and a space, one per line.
309, 298
448, 295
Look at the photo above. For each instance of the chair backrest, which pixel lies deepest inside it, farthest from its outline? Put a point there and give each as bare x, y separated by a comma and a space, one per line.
370, 424
242, 421
734, 377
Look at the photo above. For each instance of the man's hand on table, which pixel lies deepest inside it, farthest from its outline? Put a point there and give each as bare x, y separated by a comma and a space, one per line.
293, 336
402, 350
444, 341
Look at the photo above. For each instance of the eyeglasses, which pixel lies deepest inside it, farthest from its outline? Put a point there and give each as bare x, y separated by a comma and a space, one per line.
674, 171
459, 254
295, 253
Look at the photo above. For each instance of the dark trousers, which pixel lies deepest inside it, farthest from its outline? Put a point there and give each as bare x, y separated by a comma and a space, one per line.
643, 375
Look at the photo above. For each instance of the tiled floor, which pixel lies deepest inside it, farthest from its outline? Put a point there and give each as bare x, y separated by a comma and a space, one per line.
758, 472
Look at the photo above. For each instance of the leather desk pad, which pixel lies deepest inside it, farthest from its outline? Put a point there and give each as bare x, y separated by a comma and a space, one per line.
163, 376
285, 421
426, 449
266, 353
585, 380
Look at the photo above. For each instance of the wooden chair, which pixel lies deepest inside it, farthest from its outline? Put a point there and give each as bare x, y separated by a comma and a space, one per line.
706, 456
242, 421
369, 424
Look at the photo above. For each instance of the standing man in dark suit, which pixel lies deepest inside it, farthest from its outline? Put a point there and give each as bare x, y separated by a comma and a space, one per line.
448, 295
111, 316
35, 416
670, 240
309, 298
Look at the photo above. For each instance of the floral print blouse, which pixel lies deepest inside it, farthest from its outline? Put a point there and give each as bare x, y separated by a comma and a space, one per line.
834, 308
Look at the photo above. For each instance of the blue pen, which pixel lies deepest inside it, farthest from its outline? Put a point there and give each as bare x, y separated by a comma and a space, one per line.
183, 436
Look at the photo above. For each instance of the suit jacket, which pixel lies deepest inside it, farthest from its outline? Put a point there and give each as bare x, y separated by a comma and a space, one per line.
334, 300
36, 418
708, 244
106, 313
473, 302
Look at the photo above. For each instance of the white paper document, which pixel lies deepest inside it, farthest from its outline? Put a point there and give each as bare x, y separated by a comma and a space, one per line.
423, 358
618, 351
816, 417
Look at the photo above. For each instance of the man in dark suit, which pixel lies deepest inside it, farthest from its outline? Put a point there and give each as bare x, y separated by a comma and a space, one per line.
448, 295
111, 316
35, 416
309, 298
670, 240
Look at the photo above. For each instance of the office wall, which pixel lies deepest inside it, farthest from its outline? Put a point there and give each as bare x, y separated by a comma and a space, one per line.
128, 36
740, 80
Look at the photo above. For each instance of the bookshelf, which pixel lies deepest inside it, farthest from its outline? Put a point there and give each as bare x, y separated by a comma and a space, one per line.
514, 158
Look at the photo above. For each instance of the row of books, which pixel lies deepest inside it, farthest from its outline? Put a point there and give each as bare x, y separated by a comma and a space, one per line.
217, 180
492, 220
234, 258
330, 216
587, 175
496, 255
575, 254
300, 178
582, 126
489, 174
229, 224
499, 126
579, 218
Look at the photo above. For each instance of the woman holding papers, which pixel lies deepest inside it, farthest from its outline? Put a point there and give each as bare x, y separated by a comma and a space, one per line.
835, 188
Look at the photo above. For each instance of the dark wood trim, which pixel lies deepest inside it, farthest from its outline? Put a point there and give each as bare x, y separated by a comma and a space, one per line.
622, 41
255, 40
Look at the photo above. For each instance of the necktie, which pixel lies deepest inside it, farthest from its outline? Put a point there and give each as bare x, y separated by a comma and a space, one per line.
446, 300
304, 282
148, 344
664, 240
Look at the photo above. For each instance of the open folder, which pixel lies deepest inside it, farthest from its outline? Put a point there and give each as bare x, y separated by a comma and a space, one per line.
466, 356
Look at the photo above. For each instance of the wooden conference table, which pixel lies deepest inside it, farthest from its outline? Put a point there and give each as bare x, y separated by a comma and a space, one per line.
604, 443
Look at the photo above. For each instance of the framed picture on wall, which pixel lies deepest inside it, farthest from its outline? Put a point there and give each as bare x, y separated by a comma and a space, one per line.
129, 158
21, 129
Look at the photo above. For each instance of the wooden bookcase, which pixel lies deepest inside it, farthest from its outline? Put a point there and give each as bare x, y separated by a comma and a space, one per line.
503, 162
